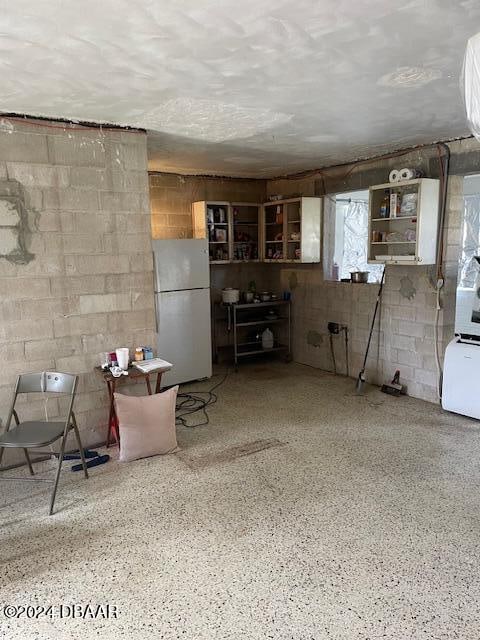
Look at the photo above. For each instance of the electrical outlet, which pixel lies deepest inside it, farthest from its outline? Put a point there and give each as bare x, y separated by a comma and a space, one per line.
333, 327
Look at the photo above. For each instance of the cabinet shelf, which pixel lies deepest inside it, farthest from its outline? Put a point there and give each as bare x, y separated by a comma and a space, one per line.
411, 218
397, 242
252, 352
254, 323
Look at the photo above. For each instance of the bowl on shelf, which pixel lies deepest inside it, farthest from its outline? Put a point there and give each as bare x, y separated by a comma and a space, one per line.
359, 277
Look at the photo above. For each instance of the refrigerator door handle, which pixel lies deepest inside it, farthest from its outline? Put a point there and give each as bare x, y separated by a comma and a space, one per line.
156, 312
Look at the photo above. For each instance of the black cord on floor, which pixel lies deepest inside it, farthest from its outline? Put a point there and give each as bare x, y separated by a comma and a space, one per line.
191, 402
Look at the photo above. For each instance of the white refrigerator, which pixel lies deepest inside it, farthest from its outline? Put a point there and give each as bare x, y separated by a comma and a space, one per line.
182, 304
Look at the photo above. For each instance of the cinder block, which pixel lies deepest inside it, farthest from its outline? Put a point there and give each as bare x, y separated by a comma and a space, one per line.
76, 285
126, 223
41, 266
51, 349
70, 199
411, 329
428, 378
141, 262
132, 155
26, 330
108, 302
403, 342
97, 264
121, 201
82, 243
23, 147
48, 221
128, 243
75, 149
131, 320
78, 325
34, 175
48, 308
89, 178
78, 364
129, 181
100, 342
34, 198
24, 288
75, 222
142, 300
409, 357
131, 282
12, 352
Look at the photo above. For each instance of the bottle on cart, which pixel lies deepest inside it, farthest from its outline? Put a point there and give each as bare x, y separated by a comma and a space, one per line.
267, 339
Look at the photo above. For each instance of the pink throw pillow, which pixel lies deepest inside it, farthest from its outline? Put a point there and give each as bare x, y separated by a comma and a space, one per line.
147, 424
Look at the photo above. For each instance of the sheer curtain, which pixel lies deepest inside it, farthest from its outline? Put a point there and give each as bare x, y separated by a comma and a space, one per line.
346, 237
468, 267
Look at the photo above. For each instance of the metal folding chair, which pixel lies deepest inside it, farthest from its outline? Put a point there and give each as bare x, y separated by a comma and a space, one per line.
36, 434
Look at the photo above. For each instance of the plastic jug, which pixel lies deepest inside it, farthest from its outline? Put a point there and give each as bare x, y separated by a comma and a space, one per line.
267, 339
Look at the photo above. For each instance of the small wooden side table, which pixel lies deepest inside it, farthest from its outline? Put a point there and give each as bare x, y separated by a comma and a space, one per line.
111, 382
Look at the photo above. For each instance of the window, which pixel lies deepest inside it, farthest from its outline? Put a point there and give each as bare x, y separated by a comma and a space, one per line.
467, 298
468, 266
346, 236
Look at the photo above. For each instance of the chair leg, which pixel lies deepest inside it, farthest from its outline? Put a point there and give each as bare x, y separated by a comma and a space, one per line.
57, 476
80, 448
29, 462
2, 449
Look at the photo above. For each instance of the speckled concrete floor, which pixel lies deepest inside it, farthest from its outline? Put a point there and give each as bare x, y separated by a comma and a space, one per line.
364, 524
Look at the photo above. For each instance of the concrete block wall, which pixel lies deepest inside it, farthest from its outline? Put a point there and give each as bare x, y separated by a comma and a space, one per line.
172, 196
84, 282
404, 337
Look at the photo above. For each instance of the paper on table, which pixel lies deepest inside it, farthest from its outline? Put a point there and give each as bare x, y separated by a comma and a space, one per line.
155, 364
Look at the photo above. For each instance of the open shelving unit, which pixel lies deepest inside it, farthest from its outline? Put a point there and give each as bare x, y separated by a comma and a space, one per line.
243, 325
403, 222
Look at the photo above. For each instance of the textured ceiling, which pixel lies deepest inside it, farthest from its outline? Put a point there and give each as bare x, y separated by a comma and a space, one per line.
244, 87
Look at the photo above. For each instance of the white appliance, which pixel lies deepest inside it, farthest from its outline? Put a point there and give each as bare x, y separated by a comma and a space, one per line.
462, 355
460, 377
182, 303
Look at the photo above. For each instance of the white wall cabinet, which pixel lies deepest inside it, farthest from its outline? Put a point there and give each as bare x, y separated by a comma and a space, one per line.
291, 230
279, 231
403, 222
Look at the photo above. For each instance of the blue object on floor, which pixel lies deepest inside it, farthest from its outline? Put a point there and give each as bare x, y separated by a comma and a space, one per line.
76, 456
92, 463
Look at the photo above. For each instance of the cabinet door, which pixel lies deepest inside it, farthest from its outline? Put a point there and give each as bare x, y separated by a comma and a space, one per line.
293, 230
245, 232
274, 224
218, 229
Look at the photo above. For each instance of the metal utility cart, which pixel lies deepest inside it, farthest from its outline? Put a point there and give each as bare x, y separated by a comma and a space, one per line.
242, 319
